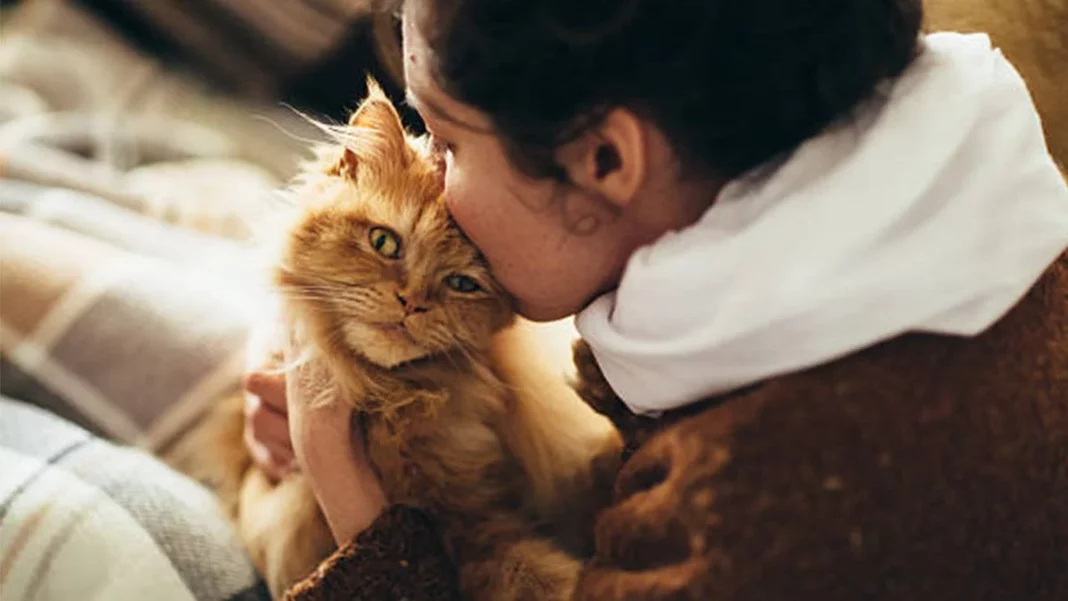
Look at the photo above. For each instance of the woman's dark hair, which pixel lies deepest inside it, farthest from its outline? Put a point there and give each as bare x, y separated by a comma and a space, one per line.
731, 83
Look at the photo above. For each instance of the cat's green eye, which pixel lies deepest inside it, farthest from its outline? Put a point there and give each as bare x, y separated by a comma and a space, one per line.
385, 242
462, 283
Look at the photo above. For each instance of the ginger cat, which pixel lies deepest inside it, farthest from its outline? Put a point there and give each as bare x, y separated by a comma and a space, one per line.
460, 417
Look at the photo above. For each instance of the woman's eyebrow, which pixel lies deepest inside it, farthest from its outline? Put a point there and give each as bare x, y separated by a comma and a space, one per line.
424, 106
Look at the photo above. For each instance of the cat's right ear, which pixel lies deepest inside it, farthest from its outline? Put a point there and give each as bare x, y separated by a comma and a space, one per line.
376, 135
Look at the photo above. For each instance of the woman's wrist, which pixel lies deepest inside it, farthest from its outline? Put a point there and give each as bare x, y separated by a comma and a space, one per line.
341, 478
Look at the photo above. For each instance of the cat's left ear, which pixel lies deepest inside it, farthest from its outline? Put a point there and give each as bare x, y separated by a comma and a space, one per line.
377, 135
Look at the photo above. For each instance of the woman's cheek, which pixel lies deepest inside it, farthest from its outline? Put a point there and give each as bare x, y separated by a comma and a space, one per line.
458, 199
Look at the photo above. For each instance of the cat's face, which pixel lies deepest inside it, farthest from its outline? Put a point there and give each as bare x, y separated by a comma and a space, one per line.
375, 253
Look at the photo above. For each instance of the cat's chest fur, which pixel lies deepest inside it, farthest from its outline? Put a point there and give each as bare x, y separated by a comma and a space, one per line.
436, 439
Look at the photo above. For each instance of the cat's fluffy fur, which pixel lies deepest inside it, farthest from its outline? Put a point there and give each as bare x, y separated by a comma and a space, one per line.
460, 417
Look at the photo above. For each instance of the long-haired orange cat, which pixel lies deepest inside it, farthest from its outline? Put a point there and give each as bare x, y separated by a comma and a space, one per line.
460, 418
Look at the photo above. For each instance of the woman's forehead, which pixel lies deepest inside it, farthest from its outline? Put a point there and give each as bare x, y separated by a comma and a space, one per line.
424, 94
416, 53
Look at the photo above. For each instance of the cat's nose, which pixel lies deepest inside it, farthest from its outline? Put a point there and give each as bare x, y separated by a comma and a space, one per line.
410, 307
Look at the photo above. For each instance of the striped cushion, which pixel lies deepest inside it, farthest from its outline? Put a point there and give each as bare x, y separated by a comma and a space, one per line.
128, 326
83, 519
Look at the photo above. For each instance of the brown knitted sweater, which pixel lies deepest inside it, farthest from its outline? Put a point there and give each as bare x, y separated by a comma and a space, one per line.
924, 468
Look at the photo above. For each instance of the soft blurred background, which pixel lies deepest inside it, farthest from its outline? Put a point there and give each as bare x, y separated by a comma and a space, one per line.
127, 94
139, 140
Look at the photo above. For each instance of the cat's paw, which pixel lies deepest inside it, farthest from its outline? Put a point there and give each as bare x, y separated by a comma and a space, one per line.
654, 542
593, 388
282, 528
527, 569
591, 384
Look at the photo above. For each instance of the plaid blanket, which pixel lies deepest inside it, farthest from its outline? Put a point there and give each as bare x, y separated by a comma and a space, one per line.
125, 298
131, 328
131, 333
127, 288
123, 214
71, 527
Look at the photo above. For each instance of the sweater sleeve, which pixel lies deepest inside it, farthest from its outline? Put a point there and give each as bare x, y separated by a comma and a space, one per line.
840, 485
399, 557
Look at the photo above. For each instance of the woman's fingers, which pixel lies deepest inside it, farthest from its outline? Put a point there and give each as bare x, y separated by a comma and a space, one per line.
643, 529
267, 439
275, 463
267, 424
269, 388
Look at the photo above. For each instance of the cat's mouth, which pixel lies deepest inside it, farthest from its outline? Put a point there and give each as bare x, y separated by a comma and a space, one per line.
396, 330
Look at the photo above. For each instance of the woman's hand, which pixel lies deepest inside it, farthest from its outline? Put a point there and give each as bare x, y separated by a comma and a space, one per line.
329, 448
266, 419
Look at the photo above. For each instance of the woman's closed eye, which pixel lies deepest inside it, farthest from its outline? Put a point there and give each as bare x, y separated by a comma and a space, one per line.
442, 146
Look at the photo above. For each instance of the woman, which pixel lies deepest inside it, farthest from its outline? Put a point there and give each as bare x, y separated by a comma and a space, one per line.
818, 263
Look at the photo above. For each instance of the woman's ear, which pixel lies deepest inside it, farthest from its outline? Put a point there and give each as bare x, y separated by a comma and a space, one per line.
374, 133
609, 160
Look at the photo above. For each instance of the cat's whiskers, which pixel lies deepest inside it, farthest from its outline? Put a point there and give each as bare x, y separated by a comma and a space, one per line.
445, 341
451, 358
299, 295
345, 298
467, 353
360, 307
303, 290
326, 288
304, 298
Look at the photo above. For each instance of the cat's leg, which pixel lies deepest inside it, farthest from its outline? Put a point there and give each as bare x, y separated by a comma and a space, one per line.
527, 568
280, 525
583, 497
214, 452
282, 528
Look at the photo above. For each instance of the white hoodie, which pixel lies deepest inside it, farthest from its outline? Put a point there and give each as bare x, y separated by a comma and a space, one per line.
934, 211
